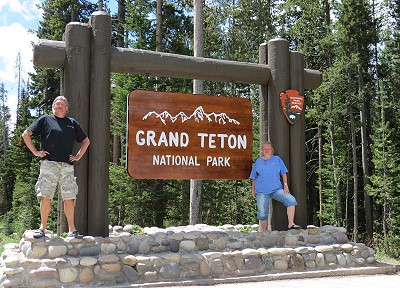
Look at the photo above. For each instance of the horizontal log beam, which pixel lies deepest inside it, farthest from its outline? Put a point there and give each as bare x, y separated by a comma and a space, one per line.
136, 61
312, 79
51, 54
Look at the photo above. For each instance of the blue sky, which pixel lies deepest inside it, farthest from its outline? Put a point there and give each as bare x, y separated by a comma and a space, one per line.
17, 17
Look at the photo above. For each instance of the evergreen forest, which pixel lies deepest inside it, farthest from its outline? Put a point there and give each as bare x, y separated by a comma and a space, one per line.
353, 157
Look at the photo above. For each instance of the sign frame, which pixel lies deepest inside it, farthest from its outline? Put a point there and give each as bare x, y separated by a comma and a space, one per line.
188, 136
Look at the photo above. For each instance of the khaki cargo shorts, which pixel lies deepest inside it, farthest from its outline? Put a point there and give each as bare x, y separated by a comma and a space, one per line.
54, 173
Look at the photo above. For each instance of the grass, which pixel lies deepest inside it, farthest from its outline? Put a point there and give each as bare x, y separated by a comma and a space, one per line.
384, 258
5, 239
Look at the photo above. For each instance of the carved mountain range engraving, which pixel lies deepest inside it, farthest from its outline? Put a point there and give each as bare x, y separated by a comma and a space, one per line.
198, 115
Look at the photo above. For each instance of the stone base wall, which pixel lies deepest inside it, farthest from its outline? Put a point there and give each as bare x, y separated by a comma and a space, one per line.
176, 253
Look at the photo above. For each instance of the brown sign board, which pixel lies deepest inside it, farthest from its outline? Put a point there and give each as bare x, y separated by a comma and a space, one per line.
188, 136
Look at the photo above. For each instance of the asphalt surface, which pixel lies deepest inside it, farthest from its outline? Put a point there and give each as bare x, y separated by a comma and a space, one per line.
361, 281
383, 276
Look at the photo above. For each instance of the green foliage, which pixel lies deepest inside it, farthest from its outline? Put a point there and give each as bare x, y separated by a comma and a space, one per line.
138, 24
58, 13
133, 201
245, 229
390, 245
25, 206
336, 37
382, 257
45, 84
7, 237
121, 196
137, 230
6, 173
384, 186
228, 202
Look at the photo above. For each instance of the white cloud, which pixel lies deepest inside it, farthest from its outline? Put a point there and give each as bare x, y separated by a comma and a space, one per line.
26, 9
31, 11
21, 42
13, 5
16, 18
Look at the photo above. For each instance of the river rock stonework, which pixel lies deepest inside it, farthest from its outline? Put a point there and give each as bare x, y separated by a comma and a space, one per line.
176, 253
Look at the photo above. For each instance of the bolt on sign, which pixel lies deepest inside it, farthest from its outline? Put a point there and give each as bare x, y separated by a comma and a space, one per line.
188, 136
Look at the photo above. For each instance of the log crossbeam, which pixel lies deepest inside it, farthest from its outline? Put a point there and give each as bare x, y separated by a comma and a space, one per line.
51, 54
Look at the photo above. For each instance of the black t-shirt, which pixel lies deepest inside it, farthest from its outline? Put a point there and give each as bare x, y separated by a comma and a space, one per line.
57, 136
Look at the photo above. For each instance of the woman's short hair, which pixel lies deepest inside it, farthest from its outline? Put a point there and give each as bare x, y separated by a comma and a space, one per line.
267, 143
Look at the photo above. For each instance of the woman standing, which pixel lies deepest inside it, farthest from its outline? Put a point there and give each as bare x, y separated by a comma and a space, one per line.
266, 175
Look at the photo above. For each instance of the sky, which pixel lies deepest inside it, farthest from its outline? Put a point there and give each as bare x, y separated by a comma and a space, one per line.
17, 18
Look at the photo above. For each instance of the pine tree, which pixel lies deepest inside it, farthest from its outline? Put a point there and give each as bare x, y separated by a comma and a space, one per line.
24, 213
6, 174
177, 30
384, 184
45, 84
355, 35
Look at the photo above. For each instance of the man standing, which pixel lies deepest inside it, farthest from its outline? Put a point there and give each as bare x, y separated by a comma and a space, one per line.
57, 133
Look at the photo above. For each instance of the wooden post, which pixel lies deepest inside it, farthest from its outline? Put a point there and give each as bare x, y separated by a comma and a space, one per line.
76, 90
263, 122
297, 165
278, 127
195, 215
263, 98
99, 124
61, 218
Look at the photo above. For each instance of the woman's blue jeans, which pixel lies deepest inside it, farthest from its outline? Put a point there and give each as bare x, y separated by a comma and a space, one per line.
263, 199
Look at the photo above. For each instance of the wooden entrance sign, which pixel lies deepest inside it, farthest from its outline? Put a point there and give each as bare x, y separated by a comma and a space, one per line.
186, 136
87, 53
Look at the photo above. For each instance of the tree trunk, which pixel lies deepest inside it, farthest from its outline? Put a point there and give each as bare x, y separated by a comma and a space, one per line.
184, 203
320, 152
198, 88
355, 176
121, 23
347, 216
18, 67
366, 174
339, 213
100, 5
384, 166
158, 26
62, 224
160, 203
117, 147
159, 183
339, 209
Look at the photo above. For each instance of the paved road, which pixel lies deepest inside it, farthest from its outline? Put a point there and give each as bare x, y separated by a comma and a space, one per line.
361, 281
382, 276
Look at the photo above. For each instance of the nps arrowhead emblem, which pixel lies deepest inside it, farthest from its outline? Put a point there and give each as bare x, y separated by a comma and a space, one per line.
292, 104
